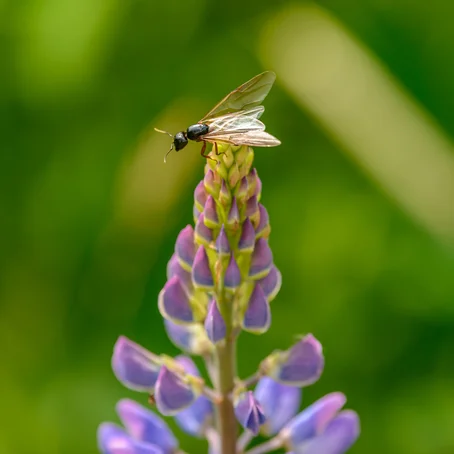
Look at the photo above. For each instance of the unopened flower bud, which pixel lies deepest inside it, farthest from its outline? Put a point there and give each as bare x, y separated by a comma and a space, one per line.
247, 239
185, 248
242, 153
211, 186
210, 213
242, 190
232, 277
271, 283
201, 272
263, 226
228, 158
233, 175
248, 412
202, 234
257, 318
174, 268
255, 185
174, 303
195, 213
225, 195
262, 259
200, 196
222, 243
258, 188
233, 218
247, 162
214, 323
252, 207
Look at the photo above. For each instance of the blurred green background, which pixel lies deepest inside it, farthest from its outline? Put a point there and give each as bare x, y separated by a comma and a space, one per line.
360, 196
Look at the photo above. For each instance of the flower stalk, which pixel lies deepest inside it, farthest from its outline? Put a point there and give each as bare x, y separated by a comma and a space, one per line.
225, 360
225, 415
221, 281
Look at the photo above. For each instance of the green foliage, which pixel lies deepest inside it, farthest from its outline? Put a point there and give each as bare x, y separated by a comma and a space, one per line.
89, 214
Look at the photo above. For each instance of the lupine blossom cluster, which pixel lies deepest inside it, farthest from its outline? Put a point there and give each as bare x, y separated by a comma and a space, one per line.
221, 281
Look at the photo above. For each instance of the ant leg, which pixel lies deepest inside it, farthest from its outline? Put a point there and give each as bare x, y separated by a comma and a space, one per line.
202, 152
216, 149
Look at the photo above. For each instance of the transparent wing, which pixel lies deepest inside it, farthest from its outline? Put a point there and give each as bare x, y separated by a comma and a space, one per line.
245, 97
234, 123
257, 138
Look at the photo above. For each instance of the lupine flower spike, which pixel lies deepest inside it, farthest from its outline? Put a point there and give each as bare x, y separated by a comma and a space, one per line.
221, 280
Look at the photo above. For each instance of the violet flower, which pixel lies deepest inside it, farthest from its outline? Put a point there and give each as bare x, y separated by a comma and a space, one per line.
145, 432
221, 280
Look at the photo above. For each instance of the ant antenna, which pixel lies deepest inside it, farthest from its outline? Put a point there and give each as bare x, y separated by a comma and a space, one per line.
163, 132
165, 157
171, 146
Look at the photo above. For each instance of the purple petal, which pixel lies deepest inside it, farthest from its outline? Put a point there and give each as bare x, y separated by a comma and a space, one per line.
188, 365
264, 221
174, 268
214, 323
222, 242
196, 213
247, 239
242, 190
258, 315
112, 439
201, 272
232, 278
203, 234
134, 366
210, 212
224, 194
338, 437
196, 418
256, 183
252, 206
171, 393
314, 419
145, 426
279, 402
304, 363
180, 335
184, 247
233, 219
262, 259
174, 303
252, 180
271, 283
200, 196
249, 413
209, 182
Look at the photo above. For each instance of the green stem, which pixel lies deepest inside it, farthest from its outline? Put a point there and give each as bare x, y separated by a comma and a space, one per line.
227, 424
226, 373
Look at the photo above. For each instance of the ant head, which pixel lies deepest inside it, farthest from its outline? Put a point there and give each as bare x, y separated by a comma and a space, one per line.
180, 141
